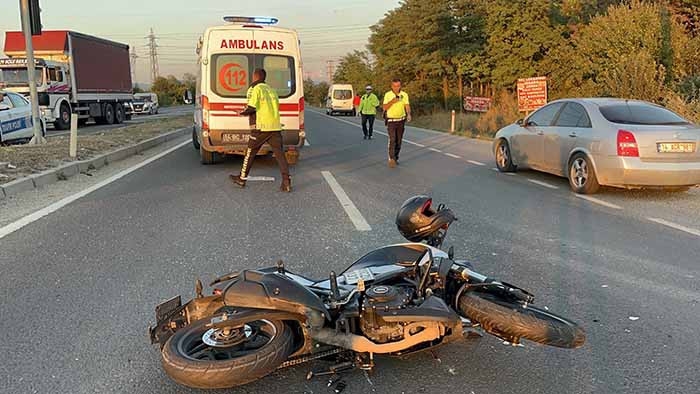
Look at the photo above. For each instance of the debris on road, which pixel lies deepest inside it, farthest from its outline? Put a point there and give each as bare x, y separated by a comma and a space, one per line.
634, 318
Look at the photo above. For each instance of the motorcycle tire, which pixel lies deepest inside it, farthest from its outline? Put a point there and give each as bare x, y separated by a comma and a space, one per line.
512, 321
218, 372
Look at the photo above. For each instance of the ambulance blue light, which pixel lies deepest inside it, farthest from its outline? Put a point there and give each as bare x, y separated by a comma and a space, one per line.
252, 19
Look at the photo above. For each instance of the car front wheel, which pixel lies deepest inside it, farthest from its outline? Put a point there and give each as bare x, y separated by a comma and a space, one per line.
504, 160
582, 177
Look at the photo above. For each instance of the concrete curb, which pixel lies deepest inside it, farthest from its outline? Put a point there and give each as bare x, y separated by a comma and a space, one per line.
68, 170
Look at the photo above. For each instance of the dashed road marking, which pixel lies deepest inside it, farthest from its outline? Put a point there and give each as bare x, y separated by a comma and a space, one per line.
676, 226
477, 163
414, 143
18, 224
545, 184
353, 213
435, 150
598, 201
453, 156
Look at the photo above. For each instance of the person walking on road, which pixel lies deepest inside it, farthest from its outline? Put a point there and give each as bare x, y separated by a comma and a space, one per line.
368, 111
264, 120
397, 111
355, 105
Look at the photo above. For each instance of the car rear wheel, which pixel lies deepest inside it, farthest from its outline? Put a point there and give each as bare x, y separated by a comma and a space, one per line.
504, 160
582, 177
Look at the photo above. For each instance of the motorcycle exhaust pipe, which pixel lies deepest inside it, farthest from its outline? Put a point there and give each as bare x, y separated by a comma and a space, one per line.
430, 331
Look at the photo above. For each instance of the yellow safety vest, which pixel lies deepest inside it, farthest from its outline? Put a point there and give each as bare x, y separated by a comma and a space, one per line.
267, 107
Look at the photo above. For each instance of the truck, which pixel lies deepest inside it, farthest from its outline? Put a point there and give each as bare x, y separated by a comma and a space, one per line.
76, 74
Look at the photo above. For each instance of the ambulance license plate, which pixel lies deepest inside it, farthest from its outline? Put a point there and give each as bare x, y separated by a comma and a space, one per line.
235, 138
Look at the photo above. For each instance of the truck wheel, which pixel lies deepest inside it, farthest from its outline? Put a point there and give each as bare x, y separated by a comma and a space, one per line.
118, 113
207, 157
63, 121
109, 114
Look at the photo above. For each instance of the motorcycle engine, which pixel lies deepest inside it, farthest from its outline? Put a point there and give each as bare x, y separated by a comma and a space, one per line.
380, 301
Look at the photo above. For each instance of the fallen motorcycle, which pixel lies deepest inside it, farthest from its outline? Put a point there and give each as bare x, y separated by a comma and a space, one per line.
395, 300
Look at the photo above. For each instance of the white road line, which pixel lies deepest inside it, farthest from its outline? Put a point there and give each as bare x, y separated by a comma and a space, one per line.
353, 213
545, 184
414, 143
510, 173
306, 142
598, 201
18, 224
435, 150
453, 156
478, 163
676, 226
495, 169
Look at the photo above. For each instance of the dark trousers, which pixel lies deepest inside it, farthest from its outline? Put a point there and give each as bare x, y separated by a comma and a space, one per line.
365, 120
395, 131
256, 141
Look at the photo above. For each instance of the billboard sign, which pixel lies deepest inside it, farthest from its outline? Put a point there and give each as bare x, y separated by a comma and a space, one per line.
477, 104
532, 93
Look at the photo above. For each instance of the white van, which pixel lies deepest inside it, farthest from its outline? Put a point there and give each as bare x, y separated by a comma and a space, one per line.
146, 103
228, 55
339, 100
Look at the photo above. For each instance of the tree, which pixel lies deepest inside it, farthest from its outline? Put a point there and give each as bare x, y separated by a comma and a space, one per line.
170, 90
521, 36
688, 12
354, 69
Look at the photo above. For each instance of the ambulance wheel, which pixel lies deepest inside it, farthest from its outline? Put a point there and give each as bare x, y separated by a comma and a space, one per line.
195, 141
207, 157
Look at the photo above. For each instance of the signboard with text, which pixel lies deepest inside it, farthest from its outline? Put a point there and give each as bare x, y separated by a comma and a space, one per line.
477, 104
532, 93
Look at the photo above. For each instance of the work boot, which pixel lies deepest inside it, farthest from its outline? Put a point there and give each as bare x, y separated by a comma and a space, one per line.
392, 163
237, 179
286, 186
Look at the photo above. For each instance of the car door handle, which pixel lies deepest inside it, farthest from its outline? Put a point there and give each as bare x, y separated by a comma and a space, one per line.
572, 135
540, 133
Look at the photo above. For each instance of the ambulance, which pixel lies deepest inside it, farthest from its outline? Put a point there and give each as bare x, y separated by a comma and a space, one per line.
227, 57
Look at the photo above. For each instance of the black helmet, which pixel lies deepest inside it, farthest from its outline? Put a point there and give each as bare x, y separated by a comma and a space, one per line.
417, 220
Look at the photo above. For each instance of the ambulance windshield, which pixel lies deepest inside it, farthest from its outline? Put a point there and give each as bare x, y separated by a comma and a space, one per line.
232, 73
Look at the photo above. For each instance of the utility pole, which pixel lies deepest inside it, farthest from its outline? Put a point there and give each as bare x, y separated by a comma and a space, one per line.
330, 65
29, 48
153, 54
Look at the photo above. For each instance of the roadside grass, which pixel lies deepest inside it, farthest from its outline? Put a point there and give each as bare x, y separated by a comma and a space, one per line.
17, 161
465, 124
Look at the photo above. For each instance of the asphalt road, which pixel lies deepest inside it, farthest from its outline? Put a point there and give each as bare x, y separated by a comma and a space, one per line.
92, 127
79, 285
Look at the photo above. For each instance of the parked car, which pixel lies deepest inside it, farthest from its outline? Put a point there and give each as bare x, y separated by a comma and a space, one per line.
604, 141
145, 103
16, 118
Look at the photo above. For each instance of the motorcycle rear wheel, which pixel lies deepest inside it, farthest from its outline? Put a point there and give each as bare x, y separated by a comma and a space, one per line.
512, 321
193, 357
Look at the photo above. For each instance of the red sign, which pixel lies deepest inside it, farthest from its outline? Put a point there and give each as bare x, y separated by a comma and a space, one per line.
532, 93
232, 77
477, 104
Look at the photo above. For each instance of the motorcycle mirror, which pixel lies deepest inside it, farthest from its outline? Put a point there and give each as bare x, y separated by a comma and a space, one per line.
451, 253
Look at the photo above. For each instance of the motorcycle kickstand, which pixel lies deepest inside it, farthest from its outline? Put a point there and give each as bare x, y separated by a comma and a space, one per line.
332, 370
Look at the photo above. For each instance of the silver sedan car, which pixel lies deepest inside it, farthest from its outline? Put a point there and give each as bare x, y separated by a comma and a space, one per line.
603, 141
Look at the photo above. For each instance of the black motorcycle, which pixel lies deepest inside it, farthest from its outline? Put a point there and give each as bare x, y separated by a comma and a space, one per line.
395, 300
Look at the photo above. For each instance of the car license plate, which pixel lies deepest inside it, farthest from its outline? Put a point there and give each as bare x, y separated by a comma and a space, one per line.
676, 147
236, 138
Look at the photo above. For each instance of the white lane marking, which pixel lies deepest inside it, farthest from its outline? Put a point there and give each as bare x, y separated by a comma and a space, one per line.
414, 143
510, 173
306, 142
598, 201
18, 224
676, 226
260, 178
435, 150
478, 163
353, 213
453, 156
495, 169
545, 184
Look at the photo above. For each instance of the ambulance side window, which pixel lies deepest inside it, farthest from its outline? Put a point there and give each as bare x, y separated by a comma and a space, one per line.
231, 75
280, 74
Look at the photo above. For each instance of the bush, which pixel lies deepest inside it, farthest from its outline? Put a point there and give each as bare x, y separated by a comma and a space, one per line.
503, 112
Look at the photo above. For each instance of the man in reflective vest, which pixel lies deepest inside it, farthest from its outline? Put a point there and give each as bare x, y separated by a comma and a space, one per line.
397, 111
264, 119
368, 110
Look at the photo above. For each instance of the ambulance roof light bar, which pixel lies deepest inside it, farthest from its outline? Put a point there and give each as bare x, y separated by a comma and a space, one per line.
263, 20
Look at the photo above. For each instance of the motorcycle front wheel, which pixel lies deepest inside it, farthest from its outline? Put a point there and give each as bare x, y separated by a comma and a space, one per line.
513, 321
246, 350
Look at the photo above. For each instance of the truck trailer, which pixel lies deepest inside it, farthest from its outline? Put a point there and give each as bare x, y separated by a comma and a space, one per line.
76, 73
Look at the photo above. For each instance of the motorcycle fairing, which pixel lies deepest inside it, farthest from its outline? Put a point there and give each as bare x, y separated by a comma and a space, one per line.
275, 291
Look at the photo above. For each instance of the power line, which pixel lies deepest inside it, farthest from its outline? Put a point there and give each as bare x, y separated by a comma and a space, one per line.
153, 54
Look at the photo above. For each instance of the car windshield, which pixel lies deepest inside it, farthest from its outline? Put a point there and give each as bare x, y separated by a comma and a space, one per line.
18, 76
342, 94
142, 99
635, 113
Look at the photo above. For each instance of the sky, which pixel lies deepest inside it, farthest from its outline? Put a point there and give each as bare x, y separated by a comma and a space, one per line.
328, 29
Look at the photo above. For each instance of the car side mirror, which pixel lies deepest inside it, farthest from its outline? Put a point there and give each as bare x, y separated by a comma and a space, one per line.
520, 122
